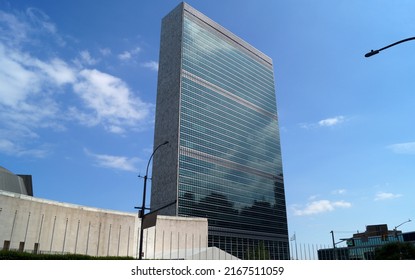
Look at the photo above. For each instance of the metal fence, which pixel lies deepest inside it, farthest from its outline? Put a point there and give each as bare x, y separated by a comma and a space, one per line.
306, 251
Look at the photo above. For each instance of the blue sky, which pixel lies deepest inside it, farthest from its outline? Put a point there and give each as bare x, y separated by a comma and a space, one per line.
78, 88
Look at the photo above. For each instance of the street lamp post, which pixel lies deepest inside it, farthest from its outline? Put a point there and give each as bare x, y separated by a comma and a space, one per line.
335, 255
396, 228
373, 52
143, 207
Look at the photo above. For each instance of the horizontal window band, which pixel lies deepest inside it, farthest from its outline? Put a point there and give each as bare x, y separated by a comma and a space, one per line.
228, 94
228, 164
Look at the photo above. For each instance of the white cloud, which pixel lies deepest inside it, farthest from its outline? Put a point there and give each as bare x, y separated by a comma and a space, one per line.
329, 122
403, 148
55, 70
16, 82
320, 206
40, 20
10, 148
313, 197
31, 88
13, 31
85, 58
127, 55
114, 162
27, 84
153, 65
386, 196
20, 27
339, 192
110, 100
105, 51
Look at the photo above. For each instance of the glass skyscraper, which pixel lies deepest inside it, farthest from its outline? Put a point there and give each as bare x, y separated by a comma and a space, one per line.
216, 106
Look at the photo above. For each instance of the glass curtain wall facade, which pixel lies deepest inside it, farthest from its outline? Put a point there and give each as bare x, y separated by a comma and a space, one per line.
216, 104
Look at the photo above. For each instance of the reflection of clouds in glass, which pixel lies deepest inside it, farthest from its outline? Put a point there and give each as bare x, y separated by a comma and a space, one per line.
198, 32
229, 124
245, 76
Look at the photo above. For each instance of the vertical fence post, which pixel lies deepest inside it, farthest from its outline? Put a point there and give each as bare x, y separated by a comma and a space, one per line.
155, 243
145, 250
178, 245
162, 246
128, 242
171, 237
193, 245
185, 246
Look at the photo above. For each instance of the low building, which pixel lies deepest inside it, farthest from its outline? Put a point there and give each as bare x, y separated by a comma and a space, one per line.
362, 246
45, 226
15, 183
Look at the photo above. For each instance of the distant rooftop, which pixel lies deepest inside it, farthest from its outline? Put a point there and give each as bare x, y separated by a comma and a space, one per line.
15, 183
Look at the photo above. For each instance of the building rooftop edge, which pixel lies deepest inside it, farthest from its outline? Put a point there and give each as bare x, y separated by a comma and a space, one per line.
64, 204
94, 209
187, 218
238, 40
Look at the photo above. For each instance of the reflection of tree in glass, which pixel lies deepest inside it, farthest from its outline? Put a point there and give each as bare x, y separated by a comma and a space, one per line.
259, 217
188, 205
218, 209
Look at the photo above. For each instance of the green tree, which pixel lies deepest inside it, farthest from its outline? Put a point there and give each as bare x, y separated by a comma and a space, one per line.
396, 251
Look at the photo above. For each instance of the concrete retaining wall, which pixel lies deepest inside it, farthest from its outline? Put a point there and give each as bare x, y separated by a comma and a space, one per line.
32, 224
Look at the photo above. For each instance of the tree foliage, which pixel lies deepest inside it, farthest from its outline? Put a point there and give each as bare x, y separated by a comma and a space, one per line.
396, 251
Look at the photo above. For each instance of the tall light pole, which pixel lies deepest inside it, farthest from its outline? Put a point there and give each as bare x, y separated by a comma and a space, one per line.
335, 255
143, 207
334, 245
373, 52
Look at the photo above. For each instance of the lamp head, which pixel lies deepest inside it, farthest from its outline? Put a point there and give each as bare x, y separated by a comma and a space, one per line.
372, 52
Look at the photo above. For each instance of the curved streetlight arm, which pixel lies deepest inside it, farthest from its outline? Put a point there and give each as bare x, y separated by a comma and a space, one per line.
148, 164
409, 220
146, 176
373, 52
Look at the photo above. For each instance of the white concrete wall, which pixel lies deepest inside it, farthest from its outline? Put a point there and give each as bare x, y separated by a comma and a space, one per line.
175, 238
67, 228
61, 227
